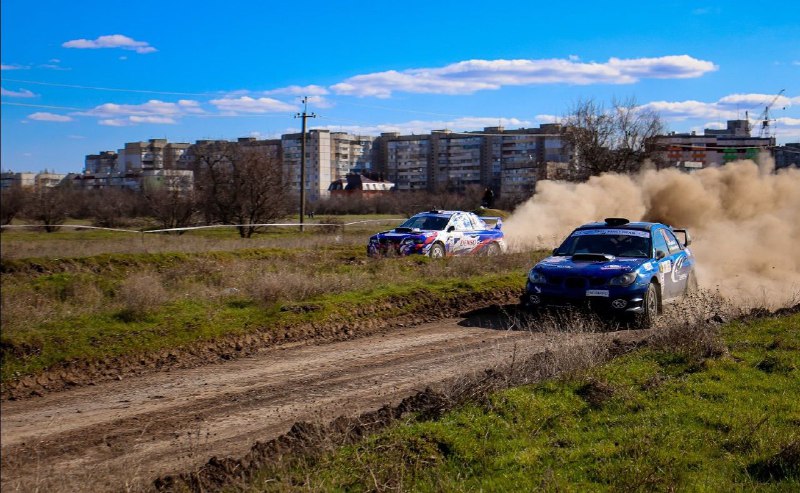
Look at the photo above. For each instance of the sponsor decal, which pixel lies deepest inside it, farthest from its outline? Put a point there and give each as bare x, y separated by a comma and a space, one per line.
469, 241
554, 260
537, 289
665, 266
597, 292
625, 232
647, 266
612, 267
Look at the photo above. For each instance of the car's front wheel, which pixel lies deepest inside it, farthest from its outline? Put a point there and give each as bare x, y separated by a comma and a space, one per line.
437, 251
650, 306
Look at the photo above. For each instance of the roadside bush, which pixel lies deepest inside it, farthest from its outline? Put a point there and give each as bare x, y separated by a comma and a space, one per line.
139, 294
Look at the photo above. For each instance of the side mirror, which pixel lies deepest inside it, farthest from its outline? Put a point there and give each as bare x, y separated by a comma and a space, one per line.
660, 254
555, 251
450, 229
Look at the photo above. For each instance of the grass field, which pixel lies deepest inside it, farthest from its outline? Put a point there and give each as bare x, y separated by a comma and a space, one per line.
91, 295
659, 419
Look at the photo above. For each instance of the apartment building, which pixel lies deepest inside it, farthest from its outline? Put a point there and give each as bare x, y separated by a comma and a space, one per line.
34, 181
330, 156
153, 154
508, 161
787, 156
714, 147
404, 160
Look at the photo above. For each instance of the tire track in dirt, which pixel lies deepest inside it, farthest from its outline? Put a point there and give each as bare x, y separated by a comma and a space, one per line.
123, 434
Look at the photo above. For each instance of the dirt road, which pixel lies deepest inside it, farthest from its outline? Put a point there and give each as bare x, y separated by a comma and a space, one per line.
123, 434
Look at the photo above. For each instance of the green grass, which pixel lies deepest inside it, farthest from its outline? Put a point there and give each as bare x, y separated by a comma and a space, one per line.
653, 420
118, 330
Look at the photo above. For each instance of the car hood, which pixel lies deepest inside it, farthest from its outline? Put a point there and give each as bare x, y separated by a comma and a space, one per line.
400, 233
594, 265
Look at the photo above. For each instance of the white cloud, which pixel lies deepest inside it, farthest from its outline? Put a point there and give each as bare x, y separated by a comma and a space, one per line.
111, 41
426, 126
153, 111
470, 76
114, 122
311, 90
43, 116
4, 66
22, 93
152, 119
547, 118
729, 107
246, 104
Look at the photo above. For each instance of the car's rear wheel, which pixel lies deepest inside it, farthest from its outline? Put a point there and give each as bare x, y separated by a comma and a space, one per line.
492, 249
437, 251
650, 307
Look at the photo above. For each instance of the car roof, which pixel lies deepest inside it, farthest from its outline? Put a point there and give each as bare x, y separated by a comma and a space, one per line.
621, 223
439, 213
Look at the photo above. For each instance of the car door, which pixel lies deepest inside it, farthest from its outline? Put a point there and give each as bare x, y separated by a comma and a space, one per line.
665, 263
672, 272
461, 234
681, 263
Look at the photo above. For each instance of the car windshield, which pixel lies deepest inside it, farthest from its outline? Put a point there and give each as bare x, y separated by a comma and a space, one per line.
433, 223
618, 245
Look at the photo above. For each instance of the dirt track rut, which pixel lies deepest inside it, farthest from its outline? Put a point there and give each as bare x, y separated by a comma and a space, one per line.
123, 434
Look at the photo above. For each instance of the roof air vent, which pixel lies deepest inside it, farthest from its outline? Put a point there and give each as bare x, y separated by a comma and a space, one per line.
616, 221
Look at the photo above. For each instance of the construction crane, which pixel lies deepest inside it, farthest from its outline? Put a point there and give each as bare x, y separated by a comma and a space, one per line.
765, 120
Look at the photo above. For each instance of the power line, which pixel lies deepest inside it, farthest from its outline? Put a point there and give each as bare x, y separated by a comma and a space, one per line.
112, 89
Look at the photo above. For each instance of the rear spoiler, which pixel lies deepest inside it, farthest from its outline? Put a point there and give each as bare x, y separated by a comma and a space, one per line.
498, 221
687, 238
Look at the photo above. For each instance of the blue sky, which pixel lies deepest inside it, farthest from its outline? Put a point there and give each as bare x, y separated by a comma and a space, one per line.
87, 76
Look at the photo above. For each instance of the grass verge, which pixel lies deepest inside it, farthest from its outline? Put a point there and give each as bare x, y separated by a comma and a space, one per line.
664, 418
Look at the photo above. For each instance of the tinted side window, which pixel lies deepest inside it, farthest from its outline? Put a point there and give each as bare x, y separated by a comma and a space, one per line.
660, 243
672, 242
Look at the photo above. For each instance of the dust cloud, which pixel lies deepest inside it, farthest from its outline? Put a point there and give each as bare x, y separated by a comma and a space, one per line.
743, 218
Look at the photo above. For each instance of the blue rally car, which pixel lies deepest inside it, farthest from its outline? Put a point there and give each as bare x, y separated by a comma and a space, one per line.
439, 234
617, 267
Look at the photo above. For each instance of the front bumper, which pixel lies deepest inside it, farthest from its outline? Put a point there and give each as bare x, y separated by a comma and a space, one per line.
608, 299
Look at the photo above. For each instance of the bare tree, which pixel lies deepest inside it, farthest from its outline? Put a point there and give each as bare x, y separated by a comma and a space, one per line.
48, 205
12, 203
111, 207
239, 186
172, 202
611, 140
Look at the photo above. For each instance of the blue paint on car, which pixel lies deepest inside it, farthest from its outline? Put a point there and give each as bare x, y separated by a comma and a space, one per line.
615, 266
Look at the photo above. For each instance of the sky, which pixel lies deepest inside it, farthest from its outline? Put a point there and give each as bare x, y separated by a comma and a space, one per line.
87, 76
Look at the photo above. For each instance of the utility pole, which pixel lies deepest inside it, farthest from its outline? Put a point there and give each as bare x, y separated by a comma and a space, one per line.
304, 115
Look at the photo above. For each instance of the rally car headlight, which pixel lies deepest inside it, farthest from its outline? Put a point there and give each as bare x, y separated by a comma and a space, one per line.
624, 279
536, 277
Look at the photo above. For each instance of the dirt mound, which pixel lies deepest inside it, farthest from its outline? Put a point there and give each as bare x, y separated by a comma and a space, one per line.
366, 320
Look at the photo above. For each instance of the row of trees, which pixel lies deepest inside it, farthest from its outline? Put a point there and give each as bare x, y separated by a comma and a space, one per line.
232, 185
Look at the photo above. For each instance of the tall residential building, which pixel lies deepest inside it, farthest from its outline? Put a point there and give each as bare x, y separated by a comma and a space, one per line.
405, 160
153, 154
714, 148
103, 163
330, 156
508, 161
